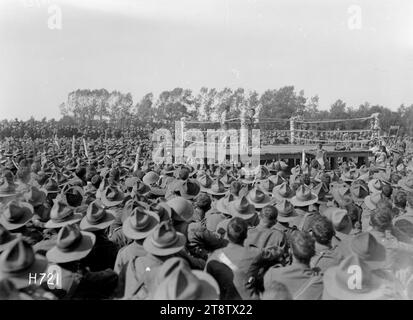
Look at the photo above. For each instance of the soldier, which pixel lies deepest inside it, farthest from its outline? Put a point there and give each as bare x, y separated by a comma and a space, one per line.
263, 235
78, 282
303, 282
326, 254
230, 265
141, 271
20, 269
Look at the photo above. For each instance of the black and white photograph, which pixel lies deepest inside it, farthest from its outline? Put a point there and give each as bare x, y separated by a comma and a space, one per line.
211, 150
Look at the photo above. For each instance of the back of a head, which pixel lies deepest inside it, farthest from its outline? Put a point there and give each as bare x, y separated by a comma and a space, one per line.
203, 201
276, 291
237, 230
96, 180
184, 174
235, 188
386, 204
354, 212
381, 219
387, 191
400, 199
269, 214
303, 246
322, 229
395, 178
81, 172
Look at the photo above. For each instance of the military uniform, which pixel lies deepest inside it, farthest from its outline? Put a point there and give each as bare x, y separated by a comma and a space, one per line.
304, 220
140, 276
116, 234
230, 266
202, 241
85, 285
263, 237
35, 293
103, 254
397, 253
285, 228
325, 257
343, 243
30, 233
303, 282
126, 255
181, 226
48, 242
141, 271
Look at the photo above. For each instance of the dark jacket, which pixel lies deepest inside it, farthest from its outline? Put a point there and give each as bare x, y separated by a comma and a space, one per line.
343, 243
230, 266
264, 237
202, 241
325, 257
103, 254
302, 282
86, 285
124, 257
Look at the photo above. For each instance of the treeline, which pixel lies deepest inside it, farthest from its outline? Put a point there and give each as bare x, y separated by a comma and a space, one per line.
84, 107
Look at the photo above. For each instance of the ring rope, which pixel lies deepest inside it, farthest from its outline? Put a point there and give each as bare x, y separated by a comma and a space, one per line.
332, 120
331, 141
334, 131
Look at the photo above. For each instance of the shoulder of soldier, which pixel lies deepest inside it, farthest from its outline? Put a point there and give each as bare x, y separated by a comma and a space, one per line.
273, 273
215, 255
196, 226
124, 250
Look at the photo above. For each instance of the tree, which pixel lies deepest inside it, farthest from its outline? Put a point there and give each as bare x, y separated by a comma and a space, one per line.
338, 110
101, 100
406, 119
85, 106
175, 104
282, 104
311, 108
144, 109
113, 103
63, 110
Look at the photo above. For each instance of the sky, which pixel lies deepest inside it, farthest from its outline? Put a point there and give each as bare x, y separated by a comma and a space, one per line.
356, 51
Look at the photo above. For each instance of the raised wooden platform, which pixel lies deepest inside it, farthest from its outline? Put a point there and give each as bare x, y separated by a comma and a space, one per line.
292, 153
